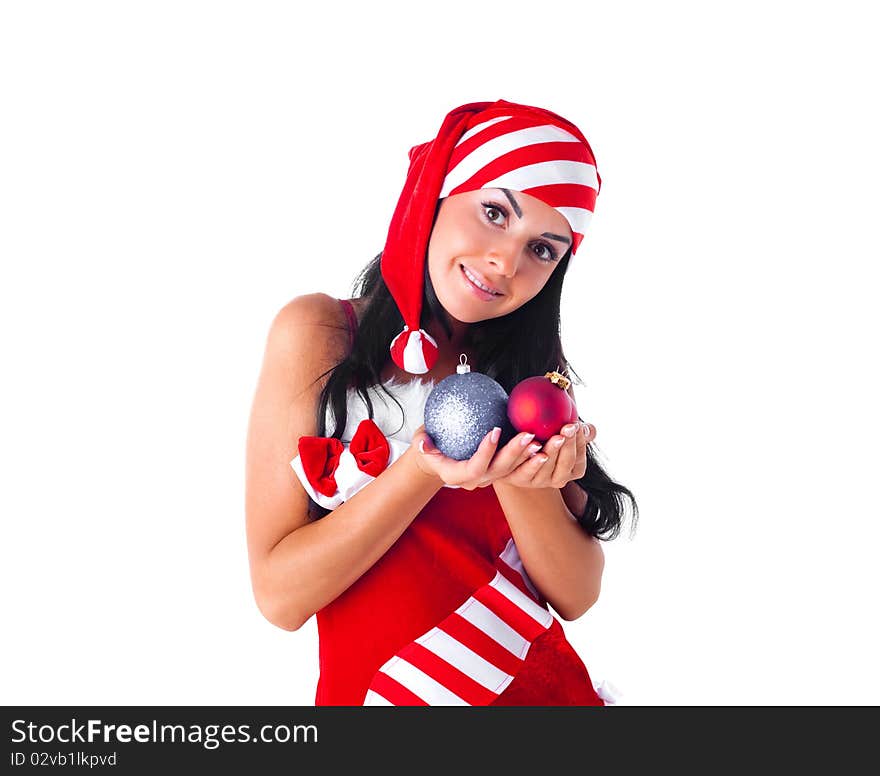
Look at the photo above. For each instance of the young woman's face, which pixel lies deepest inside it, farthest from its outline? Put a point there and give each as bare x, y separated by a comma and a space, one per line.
505, 240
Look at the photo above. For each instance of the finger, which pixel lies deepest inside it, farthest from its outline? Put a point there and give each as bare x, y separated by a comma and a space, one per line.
584, 434
533, 469
513, 454
527, 465
579, 467
555, 449
426, 444
589, 433
566, 456
424, 448
478, 463
581, 438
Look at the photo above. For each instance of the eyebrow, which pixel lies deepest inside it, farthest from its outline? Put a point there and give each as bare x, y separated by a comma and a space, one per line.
559, 237
518, 210
513, 203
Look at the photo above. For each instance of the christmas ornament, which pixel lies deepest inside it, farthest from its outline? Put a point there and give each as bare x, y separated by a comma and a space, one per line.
462, 409
541, 405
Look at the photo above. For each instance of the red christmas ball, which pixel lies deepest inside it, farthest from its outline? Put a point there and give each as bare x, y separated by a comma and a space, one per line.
541, 406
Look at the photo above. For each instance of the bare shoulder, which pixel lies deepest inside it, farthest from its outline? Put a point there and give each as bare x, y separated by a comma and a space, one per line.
316, 309
312, 324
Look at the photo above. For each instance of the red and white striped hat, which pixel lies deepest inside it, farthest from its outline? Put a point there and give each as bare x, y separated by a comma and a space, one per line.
480, 145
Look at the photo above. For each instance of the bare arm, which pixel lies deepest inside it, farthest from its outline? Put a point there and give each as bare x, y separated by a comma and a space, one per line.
563, 560
298, 566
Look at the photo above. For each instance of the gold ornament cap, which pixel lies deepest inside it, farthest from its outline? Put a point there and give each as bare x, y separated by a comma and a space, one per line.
561, 381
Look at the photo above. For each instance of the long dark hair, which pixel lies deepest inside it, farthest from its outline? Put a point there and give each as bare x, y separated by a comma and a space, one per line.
509, 349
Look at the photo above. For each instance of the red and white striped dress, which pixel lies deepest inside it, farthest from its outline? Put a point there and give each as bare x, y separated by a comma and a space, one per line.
448, 615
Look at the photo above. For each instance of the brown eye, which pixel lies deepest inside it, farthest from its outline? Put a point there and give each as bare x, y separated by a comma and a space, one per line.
494, 214
544, 252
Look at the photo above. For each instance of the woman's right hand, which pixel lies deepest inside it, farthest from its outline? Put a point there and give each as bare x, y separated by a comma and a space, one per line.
485, 466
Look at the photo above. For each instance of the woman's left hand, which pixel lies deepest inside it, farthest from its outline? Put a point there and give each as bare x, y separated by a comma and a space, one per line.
562, 459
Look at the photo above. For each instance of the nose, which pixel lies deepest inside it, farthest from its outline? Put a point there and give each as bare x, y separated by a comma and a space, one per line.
503, 257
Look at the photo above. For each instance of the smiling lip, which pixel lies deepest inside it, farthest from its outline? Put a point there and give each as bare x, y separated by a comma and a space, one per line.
479, 291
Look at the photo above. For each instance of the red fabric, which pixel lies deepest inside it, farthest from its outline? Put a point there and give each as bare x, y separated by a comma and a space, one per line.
448, 675
320, 459
370, 448
443, 557
552, 675
320, 456
403, 257
426, 351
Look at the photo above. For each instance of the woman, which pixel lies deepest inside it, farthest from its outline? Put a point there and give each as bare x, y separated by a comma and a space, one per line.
431, 577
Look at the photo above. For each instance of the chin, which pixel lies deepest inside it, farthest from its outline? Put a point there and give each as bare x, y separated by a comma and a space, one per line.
458, 312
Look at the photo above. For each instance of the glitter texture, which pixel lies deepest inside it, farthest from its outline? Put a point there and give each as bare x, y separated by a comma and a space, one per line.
461, 410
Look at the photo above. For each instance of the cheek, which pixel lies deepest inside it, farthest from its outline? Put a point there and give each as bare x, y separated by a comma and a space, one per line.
532, 277
454, 236
441, 261
437, 252
444, 250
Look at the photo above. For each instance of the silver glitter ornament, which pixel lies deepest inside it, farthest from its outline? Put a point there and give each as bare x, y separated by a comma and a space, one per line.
462, 409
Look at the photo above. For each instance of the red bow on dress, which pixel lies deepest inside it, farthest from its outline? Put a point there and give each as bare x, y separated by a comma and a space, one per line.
320, 456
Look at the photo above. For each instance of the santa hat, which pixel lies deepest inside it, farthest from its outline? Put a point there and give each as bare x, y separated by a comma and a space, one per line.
480, 145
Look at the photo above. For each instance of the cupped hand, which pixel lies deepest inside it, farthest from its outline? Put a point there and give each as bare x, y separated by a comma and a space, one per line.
564, 458
485, 466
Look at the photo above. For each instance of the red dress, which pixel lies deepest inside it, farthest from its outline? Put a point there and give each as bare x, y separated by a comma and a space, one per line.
448, 617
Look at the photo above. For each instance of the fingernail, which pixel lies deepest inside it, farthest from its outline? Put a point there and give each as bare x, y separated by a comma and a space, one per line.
534, 449
569, 431
542, 459
558, 443
526, 439
495, 435
422, 445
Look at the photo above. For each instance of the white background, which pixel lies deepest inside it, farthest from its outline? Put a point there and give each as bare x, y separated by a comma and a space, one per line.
172, 173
